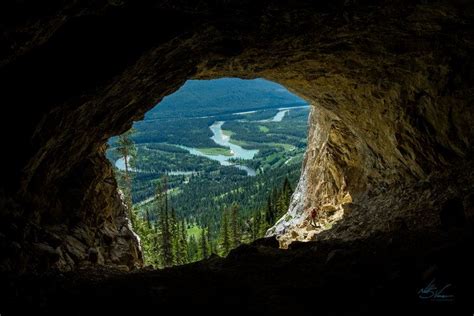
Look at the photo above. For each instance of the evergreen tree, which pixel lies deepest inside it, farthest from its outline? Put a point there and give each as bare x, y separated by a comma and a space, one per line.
203, 246
192, 249
284, 197
279, 205
210, 240
144, 229
147, 218
127, 151
246, 230
269, 218
182, 255
166, 242
278, 202
174, 234
224, 235
275, 209
234, 226
287, 188
262, 228
256, 227
165, 228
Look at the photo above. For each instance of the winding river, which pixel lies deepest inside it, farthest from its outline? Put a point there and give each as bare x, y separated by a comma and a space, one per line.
224, 140
219, 138
282, 112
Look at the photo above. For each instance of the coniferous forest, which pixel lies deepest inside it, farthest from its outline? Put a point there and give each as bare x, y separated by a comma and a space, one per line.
196, 189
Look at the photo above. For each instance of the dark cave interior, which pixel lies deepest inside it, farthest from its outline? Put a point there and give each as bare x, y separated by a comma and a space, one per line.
391, 85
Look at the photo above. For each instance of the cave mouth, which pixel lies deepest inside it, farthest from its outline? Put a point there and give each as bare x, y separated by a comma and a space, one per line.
391, 88
210, 167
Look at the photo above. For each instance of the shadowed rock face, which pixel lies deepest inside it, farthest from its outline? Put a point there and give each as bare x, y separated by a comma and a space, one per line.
390, 85
380, 273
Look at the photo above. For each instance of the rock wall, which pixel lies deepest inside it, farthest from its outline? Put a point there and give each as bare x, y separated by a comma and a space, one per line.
390, 83
88, 228
348, 213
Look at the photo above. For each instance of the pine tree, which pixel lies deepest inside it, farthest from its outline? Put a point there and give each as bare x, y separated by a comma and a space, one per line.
269, 212
224, 235
144, 229
147, 218
192, 249
210, 240
203, 245
256, 225
287, 188
182, 256
279, 205
275, 210
284, 197
166, 242
262, 229
234, 226
246, 230
174, 235
126, 149
165, 229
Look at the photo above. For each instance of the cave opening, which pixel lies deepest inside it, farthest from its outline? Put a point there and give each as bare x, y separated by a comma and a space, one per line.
389, 146
210, 167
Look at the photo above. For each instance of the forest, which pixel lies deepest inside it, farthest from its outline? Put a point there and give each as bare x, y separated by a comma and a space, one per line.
186, 207
169, 239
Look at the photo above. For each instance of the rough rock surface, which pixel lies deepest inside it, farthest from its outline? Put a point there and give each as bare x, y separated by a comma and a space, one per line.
391, 83
95, 231
369, 276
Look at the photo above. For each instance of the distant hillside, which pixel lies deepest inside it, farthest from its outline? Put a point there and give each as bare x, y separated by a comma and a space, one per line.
201, 187
227, 95
199, 103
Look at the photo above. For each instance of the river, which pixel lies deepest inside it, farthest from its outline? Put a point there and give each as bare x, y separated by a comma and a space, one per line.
224, 140
219, 138
282, 112
237, 152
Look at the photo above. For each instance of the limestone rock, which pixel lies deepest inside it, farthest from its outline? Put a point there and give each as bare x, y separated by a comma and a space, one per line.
390, 85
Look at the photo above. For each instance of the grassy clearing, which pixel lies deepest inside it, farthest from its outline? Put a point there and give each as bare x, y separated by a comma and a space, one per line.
240, 143
263, 129
215, 151
194, 231
287, 147
227, 133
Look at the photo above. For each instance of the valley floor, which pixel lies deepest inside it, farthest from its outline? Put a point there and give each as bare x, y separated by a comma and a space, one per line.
397, 274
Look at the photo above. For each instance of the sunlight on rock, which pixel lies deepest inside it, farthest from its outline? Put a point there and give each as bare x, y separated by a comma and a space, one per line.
371, 194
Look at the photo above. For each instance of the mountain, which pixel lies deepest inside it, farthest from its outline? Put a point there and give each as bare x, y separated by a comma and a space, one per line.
198, 98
